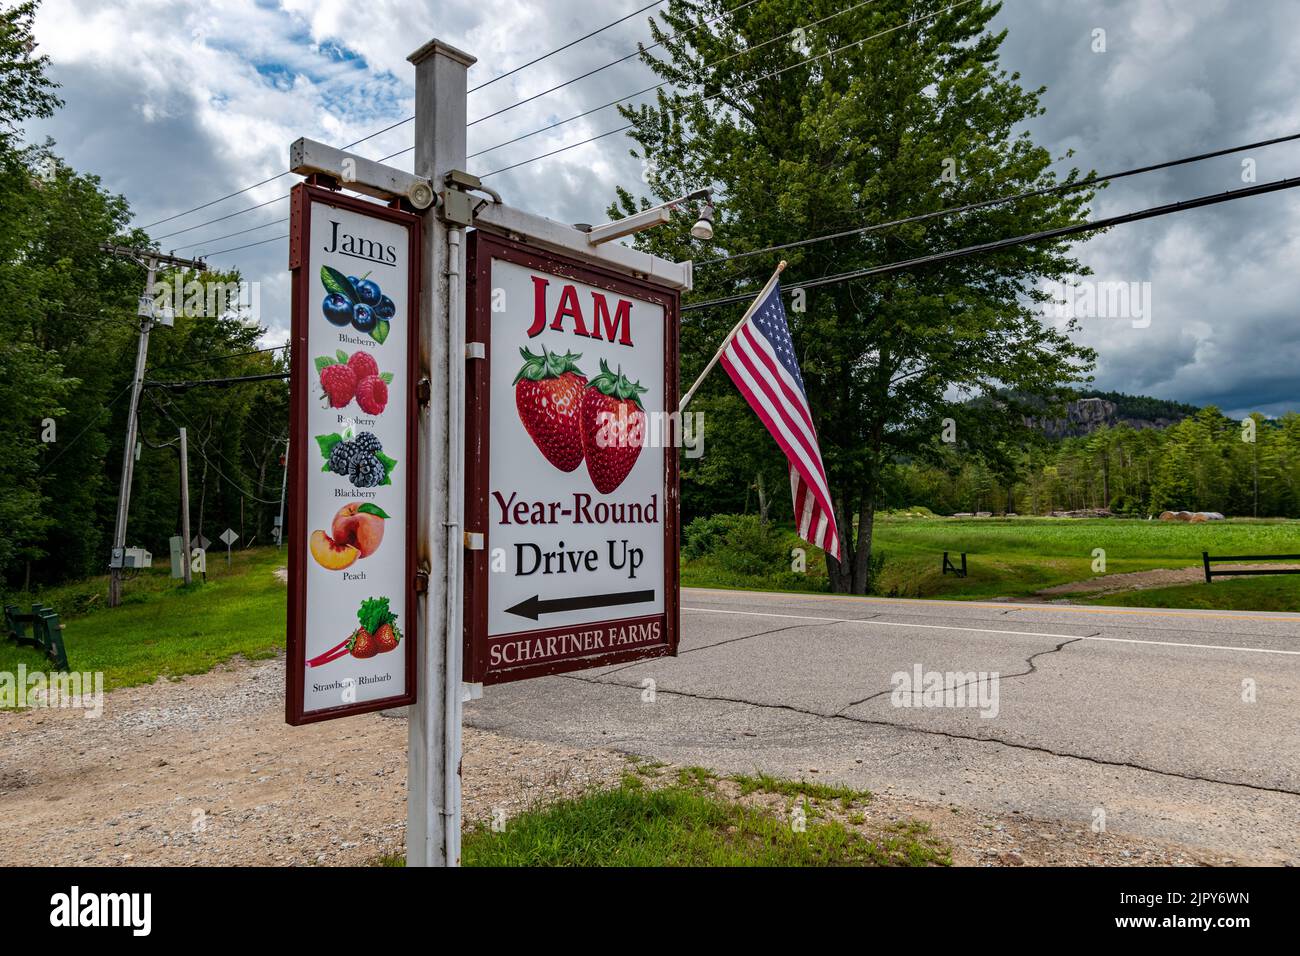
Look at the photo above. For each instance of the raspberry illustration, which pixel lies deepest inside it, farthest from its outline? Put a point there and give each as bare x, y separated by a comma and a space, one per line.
372, 393
363, 365
339, 383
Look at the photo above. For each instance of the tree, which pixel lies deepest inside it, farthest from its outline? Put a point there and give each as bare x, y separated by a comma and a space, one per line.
882, 112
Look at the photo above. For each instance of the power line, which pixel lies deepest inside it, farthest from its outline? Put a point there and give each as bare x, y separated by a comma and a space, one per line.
247, 245
264, 182
561, 49
1046, 234
561, 149
222, 218
765, 76
204, 455
229, 235
649, 89
657, 86
90, 424
217, 358
219, 382
999, 200
636, 53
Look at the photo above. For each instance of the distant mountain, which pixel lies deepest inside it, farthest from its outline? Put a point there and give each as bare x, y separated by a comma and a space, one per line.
1097, 409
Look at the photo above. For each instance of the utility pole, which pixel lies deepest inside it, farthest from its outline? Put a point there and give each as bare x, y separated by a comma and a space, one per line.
151, 261
185, 507
434, 724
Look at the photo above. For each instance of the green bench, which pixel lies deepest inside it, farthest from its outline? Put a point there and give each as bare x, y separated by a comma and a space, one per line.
46, 635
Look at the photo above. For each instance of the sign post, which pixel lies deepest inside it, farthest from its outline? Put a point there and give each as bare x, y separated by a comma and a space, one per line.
434, 725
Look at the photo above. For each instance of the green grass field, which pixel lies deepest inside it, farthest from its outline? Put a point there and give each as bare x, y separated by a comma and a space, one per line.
1017, 557
163, 628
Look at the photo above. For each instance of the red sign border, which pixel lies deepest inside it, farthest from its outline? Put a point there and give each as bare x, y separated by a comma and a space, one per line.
482, 248
302, 196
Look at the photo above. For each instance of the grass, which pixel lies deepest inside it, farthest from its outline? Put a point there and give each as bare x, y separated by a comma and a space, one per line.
690, 823
1281, 593
163, 628
1016, 557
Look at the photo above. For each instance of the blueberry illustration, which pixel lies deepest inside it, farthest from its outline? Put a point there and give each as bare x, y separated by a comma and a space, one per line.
363, 317
337, 308
354, 280
368, 292
385, 309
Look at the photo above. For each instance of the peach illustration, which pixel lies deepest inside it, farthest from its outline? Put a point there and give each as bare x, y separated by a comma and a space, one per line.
330, 554
361, 525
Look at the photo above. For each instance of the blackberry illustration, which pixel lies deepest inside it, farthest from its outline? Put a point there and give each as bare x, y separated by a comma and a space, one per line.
367, 471
367, 444
342, 457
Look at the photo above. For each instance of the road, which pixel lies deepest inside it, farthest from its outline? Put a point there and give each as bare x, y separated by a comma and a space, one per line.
1138, 720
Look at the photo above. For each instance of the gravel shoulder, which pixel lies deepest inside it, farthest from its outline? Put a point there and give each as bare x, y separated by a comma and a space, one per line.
204, 771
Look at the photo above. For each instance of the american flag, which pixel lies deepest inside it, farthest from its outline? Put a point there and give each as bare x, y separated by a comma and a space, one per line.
760, 359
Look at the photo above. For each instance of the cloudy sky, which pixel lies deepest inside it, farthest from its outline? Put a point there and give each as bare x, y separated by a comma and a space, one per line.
177, 102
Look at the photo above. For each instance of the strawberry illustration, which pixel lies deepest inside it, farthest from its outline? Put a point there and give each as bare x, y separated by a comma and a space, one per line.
613, 427
362, 644
379, 625
548, 395
387, 637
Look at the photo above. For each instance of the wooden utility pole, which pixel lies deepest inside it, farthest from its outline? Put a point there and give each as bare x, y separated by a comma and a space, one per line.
151, 260
185, 506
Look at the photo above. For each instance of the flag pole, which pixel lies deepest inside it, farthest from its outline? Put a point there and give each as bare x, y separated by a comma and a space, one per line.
762, 294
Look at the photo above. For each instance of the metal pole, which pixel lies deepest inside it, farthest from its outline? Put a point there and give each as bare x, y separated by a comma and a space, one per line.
433, 774
128, 449
185, 506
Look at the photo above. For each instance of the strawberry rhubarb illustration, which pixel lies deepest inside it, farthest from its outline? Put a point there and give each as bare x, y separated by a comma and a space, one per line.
548, 395
344, 378
613, 427
377, 633
355, 533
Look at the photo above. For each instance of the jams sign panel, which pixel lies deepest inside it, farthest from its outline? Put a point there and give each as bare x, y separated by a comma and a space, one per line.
351, 613
571, 473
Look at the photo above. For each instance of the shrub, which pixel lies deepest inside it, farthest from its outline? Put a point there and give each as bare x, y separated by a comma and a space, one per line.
747, 547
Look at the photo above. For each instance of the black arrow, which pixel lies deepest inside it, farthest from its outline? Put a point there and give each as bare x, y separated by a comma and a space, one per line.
534, 605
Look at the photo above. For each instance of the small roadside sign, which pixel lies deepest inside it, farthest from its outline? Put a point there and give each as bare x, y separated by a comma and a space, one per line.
199, 541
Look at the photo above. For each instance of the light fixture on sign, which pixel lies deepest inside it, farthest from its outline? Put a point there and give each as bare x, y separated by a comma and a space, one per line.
655, 216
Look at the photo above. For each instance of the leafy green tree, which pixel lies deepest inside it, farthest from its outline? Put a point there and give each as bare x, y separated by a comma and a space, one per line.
881, 112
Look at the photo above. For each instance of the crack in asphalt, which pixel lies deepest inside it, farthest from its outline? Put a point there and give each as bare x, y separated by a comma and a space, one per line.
1033, 668
1013, 745
733, 640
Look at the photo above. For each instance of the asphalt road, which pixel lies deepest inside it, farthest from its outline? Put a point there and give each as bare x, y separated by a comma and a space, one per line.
1136, 714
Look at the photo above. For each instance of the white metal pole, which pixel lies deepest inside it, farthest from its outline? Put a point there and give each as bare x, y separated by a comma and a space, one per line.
433, 748
762, 294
